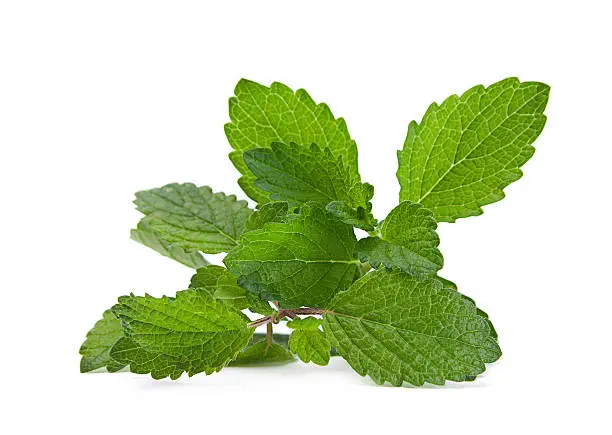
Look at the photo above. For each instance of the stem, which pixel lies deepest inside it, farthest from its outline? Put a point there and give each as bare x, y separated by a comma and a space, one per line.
260, 322
268, 337
275, 318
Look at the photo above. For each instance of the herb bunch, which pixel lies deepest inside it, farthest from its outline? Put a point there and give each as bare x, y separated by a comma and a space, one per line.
378, 302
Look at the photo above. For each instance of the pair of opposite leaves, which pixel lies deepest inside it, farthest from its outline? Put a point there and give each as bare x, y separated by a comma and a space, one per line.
459, 158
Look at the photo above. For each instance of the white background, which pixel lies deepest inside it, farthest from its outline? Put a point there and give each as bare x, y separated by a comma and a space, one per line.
101, 99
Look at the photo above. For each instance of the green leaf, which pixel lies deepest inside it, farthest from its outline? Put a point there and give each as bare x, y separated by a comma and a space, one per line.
302, 262
361, 218
280, 339
270, 212
129, 353
258, 354
468, 149
197, 332
222, 285
308, 341
408, 241
306, 323
395, 327
260, 116
207, 278
446, 283
486, 316
96, 348
362, 269
283, 340
257, 305
153, 241
193, 218
300, 174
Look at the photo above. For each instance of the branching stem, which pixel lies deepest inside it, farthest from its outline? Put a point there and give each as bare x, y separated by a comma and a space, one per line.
291, 313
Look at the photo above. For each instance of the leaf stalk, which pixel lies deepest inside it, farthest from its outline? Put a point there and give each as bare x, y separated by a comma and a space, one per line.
291, 313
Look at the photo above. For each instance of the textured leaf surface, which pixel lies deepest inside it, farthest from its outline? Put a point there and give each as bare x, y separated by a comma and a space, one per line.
152, 240
467, 150
257, 305
446, 283
261, 115
302, 262
96, 348
193, 218
222, 285
300, 174
129, 353
359, 217
394, 327
270, 212
257, 354
408, 241
197, 332
207, 278
308, 342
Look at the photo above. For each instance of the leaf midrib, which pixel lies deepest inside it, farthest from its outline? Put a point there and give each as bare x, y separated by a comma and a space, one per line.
388, 325
297, 259
453, 165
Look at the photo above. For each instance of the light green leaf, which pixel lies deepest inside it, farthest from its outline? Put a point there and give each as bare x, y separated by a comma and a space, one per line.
222, 285
152, 240
260, 116
96, 348
300, 174
308, 341
408, 241
197, 332
193, 218
395, 327
302, 262
281, 339
468, 149
270, 212
258, 354
306, 323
